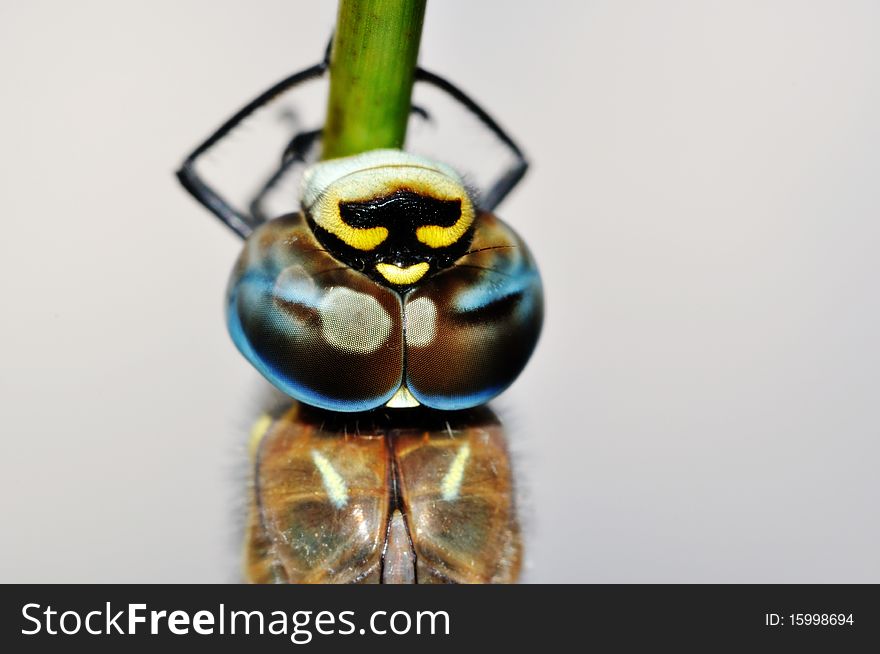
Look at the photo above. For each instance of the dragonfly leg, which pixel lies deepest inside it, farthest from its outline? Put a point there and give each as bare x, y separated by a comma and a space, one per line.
511, 177
295, 153
240, 222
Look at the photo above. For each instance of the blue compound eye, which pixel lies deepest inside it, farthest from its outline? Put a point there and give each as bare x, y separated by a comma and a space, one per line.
391, 317
471, 329
318, 330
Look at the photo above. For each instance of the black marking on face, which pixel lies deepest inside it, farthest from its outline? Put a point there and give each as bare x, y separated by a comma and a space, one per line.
402, 213
401, 209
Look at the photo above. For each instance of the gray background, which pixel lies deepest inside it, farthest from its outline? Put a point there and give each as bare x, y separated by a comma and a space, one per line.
703, 405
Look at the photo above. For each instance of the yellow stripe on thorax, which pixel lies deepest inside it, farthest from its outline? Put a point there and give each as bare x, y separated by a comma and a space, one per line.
334, 484
258, 431
451, 484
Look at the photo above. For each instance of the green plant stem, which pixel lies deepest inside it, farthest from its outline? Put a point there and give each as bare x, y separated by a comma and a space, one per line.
372, 68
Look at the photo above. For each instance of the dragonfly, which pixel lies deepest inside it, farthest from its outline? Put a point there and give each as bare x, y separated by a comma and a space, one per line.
388, 310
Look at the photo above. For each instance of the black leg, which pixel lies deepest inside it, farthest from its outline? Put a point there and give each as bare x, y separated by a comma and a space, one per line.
508, 180
295, 152
244, 223
239, 222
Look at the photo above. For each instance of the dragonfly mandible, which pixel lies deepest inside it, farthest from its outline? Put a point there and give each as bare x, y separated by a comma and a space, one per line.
390, 308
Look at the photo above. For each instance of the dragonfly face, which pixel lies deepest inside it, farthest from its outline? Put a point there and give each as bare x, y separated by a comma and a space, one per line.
388, 289
394, 216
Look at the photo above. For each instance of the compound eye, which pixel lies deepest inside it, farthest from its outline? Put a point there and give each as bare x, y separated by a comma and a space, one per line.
324, 334
471, 329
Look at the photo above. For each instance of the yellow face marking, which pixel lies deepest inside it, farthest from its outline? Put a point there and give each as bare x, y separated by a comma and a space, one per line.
334, 484
397, 275
451, 484
435, 236
360, 238
376, 174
